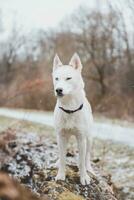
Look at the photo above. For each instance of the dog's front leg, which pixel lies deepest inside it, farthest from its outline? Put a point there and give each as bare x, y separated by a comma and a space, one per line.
84, 178
62, 143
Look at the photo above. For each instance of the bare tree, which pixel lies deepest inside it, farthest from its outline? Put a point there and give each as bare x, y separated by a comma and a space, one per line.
10, 51
95, 39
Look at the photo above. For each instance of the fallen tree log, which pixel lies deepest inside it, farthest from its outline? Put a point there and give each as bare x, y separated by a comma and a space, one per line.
30, 159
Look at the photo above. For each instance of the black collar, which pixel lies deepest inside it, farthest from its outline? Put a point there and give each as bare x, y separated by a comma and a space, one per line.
71, 111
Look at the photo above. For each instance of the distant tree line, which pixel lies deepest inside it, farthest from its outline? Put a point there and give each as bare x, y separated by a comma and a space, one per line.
106, 48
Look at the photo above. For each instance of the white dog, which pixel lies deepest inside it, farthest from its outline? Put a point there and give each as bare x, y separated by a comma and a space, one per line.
72, 115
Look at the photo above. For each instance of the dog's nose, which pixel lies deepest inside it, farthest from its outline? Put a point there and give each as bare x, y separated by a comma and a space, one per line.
59, 91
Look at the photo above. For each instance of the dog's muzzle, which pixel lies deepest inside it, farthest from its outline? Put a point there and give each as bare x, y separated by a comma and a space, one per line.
59, 92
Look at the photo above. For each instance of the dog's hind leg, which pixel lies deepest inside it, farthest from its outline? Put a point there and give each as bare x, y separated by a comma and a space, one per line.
88, 155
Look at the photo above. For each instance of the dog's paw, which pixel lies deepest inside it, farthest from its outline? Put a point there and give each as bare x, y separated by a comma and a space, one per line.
60, 176
90, 170
85, 180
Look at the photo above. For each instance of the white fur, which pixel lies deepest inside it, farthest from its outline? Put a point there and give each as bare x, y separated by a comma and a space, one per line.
78, 123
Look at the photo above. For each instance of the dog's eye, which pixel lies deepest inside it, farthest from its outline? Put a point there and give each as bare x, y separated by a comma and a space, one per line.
56, 79
68, 78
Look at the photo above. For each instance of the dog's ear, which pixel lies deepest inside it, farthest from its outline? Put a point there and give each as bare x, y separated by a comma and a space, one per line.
76, 62
56, 62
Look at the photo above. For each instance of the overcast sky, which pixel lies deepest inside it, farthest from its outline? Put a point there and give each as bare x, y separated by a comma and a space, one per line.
36, 13
33, 14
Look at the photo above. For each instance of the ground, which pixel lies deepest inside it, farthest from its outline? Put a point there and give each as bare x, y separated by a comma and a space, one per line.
31, 166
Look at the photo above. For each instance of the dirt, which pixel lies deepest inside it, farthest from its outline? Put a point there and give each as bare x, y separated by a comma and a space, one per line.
30, 158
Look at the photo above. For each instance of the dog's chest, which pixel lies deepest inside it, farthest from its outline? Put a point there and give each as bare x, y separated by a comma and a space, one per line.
66, 121
69, 121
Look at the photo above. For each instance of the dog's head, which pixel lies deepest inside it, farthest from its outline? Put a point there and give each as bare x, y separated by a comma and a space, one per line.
67, 79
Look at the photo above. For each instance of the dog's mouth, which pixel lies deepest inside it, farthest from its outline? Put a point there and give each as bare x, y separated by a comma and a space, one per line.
60, 95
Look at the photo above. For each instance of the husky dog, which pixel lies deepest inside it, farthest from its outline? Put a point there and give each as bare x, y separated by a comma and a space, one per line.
72, 115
